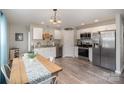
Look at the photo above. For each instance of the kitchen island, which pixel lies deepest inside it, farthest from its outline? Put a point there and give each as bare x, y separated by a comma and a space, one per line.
46, 51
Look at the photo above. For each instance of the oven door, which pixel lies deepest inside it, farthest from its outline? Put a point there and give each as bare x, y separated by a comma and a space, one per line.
83, 52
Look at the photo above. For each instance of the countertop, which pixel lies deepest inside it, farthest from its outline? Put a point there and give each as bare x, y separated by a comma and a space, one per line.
82, 46
48, 46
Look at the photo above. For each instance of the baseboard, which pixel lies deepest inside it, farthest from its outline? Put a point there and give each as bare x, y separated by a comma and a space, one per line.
119, 72
122, 69
69, 56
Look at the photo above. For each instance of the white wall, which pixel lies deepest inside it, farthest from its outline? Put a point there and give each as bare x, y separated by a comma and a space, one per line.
119, 44
22, 45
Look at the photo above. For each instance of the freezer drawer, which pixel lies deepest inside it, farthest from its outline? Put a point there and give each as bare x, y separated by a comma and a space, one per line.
96, 56
108, 58
58, 51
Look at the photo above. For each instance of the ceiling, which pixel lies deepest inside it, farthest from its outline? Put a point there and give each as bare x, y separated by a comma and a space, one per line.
69, 17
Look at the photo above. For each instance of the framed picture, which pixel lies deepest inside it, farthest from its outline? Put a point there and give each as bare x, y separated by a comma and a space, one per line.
19, 36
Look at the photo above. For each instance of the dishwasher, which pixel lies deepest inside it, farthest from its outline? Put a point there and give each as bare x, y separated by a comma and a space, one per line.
58, 51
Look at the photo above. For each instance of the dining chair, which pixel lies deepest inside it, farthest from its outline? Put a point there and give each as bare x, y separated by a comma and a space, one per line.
6, 72
8, 66
51, 59
51, 80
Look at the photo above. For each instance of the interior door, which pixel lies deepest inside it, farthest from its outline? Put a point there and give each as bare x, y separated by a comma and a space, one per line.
68, 43
108, 51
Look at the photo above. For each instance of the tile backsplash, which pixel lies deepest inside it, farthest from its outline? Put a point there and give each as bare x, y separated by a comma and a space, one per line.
40, 43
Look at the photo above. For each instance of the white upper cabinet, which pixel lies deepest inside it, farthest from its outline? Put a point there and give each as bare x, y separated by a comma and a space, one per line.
83, 31
99, 28
104, 28
111, 27
96, 29
78, 33
37, 33
57, 34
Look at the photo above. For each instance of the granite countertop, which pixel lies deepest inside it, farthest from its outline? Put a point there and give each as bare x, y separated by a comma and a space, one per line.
46, 46
83, 46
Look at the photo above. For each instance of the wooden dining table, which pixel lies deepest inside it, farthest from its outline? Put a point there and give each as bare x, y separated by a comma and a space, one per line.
18, 73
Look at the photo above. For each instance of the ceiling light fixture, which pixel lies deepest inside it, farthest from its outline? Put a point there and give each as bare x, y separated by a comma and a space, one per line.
82, 24
96, 20
54, 19
42, 23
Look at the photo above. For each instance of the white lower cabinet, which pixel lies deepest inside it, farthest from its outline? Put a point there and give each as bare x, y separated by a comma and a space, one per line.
52, 52
46, 51
76, 51
90, 54
68, 43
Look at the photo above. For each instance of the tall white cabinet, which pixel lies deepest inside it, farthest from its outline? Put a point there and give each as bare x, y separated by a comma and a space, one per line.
76, 51
68, 43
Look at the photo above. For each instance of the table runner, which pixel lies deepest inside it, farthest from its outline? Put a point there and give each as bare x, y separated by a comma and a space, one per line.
36, 71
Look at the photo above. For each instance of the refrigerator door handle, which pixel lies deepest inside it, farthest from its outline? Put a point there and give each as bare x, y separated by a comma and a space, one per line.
100, 41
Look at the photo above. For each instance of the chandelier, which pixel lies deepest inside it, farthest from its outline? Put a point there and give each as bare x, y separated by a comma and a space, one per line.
54, 19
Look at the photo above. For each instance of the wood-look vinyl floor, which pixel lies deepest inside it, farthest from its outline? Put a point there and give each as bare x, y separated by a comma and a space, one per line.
79, 71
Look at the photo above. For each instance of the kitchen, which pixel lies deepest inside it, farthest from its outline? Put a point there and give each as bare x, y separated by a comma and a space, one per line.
81, 47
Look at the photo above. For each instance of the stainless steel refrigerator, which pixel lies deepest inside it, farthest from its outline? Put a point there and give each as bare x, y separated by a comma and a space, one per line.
104, 49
